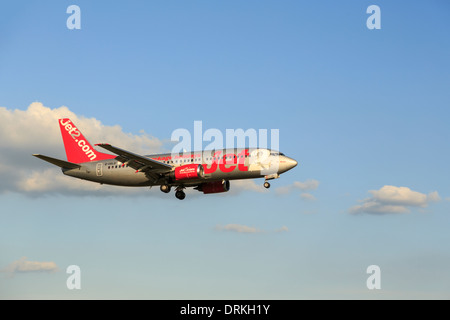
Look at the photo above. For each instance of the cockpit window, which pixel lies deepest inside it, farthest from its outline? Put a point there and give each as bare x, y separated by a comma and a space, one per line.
274, 153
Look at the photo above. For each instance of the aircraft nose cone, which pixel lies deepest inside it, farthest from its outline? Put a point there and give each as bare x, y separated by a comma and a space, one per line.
292, 163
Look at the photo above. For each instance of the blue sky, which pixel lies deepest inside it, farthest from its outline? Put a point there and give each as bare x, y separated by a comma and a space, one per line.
364, 112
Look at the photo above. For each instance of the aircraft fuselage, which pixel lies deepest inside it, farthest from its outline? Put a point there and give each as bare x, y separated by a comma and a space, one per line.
228, 164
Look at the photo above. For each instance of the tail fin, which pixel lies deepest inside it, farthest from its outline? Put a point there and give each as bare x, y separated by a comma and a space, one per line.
78, 149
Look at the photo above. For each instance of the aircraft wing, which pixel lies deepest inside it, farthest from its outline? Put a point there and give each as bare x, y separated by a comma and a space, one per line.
136, 161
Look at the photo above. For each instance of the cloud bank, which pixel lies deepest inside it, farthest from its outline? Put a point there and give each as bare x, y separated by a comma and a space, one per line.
392, 199
36, 130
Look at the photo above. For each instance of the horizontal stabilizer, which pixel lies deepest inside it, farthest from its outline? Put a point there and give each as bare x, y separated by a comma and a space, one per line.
57, 162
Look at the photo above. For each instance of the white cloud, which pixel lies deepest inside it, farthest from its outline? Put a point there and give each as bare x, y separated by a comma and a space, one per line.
308, 185
24, 266
392, 199
237, 186
307, 196
238, 228
434, 196
36, 130
282, 229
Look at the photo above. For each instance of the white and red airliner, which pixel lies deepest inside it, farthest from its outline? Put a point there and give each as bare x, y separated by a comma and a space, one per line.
208, 171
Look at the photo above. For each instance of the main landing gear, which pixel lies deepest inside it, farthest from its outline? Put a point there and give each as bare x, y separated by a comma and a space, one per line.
165, 188
179, 194
266, 185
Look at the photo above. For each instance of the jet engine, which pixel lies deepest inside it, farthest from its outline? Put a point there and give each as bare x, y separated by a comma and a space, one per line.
189, 171
214, 187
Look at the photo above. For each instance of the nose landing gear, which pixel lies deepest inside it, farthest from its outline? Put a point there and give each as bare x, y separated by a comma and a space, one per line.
270, 177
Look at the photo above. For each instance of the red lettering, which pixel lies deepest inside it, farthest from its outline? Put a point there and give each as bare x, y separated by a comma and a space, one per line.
225, 161
242, 166
213, 167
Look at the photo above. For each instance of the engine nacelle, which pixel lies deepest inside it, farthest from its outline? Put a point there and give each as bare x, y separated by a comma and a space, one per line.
189, 171
215, 187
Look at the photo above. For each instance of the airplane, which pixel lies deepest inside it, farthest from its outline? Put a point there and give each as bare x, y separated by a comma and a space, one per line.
208, 171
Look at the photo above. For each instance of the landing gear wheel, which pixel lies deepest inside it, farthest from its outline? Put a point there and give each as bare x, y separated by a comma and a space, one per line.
165, 188
180, 194
266, 185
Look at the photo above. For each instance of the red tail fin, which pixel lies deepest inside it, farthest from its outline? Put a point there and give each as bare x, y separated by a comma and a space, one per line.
78, 149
